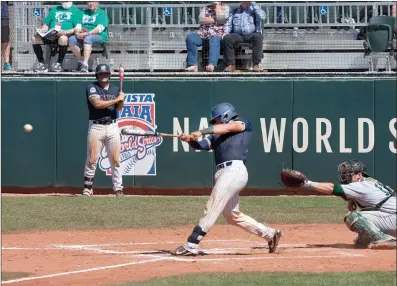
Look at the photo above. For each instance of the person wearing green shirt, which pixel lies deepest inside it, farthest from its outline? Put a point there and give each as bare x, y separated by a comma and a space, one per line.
68, 16
93, 29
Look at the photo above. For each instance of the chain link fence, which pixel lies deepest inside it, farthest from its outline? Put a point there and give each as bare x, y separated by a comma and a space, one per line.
152, 37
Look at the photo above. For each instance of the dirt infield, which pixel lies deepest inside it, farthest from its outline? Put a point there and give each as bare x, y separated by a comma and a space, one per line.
113, 256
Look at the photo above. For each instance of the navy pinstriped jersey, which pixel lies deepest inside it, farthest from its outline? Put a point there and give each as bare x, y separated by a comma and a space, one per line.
232, 146
94, 89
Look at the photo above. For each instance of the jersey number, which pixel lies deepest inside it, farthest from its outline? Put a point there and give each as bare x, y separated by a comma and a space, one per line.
385, 189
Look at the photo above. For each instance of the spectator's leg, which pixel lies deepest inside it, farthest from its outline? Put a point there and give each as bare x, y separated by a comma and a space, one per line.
257, 50
193, 41
37, 41
5, 46
230, 41
62, 49
88, 42
74, 45
214, 52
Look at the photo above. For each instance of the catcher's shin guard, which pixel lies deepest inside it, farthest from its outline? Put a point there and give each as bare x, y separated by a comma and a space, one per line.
364, 227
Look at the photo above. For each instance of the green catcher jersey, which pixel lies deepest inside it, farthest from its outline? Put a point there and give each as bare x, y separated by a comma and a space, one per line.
368, 193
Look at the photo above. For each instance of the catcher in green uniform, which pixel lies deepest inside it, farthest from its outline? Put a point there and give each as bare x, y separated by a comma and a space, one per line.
92, 29
371, 204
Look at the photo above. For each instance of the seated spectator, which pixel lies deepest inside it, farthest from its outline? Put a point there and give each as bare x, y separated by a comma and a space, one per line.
93, 29
211, 18
5, 36
67, 15
244, 25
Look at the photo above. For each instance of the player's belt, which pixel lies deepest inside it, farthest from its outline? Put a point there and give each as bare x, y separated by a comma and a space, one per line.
224, 165
107, 122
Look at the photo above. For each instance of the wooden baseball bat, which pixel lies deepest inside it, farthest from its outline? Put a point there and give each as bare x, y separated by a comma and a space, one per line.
131, 131
121, 78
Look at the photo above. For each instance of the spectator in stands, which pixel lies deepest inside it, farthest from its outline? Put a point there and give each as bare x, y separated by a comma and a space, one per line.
211, 18
68, 16
92, 30
5, 35
244, 25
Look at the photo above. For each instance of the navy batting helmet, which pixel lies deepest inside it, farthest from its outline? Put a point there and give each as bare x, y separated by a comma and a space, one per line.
348, 168
224, 111
102, 68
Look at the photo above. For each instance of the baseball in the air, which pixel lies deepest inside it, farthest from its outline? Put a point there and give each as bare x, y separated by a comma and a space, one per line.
28, 127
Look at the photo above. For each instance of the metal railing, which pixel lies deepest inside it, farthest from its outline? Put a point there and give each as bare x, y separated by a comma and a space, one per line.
148, 18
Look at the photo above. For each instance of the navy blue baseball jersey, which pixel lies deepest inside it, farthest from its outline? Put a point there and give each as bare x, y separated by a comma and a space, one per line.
95, 90
232, 146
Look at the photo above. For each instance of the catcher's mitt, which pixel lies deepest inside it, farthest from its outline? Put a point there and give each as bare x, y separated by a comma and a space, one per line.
292, 178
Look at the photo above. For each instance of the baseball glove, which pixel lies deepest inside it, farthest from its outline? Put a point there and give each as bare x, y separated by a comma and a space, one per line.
292, 178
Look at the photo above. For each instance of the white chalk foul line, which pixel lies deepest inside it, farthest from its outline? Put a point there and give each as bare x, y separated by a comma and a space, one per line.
263, 258
153, 243
84, 270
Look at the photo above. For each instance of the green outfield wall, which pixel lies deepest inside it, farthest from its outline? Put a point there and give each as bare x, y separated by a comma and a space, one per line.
308, 124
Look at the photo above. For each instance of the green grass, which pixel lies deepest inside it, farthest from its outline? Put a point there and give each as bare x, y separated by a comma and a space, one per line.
263, 278
25, 214
13, 275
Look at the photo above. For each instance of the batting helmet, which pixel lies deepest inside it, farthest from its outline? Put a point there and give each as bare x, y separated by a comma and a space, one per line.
224, 111
102, 68
348, 168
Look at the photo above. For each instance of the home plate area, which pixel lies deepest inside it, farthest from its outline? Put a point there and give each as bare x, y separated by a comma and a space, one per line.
74, 258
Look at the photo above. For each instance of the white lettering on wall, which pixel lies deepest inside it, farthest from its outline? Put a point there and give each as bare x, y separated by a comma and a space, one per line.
323, 138
273, 132
393, 130
342, 136
177, 129
371, 135
305, 135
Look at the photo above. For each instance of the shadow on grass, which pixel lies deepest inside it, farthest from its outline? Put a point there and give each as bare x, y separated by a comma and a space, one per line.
13, 275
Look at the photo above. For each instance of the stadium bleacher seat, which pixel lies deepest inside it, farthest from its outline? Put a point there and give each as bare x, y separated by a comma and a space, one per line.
379, 40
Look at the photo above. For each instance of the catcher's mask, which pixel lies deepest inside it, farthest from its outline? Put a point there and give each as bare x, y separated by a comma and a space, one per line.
224, 111
348, 168
102, 68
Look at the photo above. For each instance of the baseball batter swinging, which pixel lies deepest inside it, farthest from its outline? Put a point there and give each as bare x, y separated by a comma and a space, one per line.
229, 139
103, 100
372, 205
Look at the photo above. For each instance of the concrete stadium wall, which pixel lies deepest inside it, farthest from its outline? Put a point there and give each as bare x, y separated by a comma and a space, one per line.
308, 124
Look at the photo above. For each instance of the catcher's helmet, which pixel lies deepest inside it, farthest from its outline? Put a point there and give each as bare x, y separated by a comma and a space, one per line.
348, 168
102, 68
224, 111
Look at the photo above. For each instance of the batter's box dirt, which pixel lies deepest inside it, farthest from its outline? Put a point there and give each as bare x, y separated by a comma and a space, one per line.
115, 256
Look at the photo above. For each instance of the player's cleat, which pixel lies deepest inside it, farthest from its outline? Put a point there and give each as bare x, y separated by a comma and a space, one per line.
274, 242
87, 192
384, 244
184, 250
119, 193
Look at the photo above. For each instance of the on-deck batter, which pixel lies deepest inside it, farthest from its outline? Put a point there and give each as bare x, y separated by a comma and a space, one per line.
229, 139
103, 100
372, 205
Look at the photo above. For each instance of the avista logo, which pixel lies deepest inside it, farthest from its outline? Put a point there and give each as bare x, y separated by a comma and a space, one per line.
137, 153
